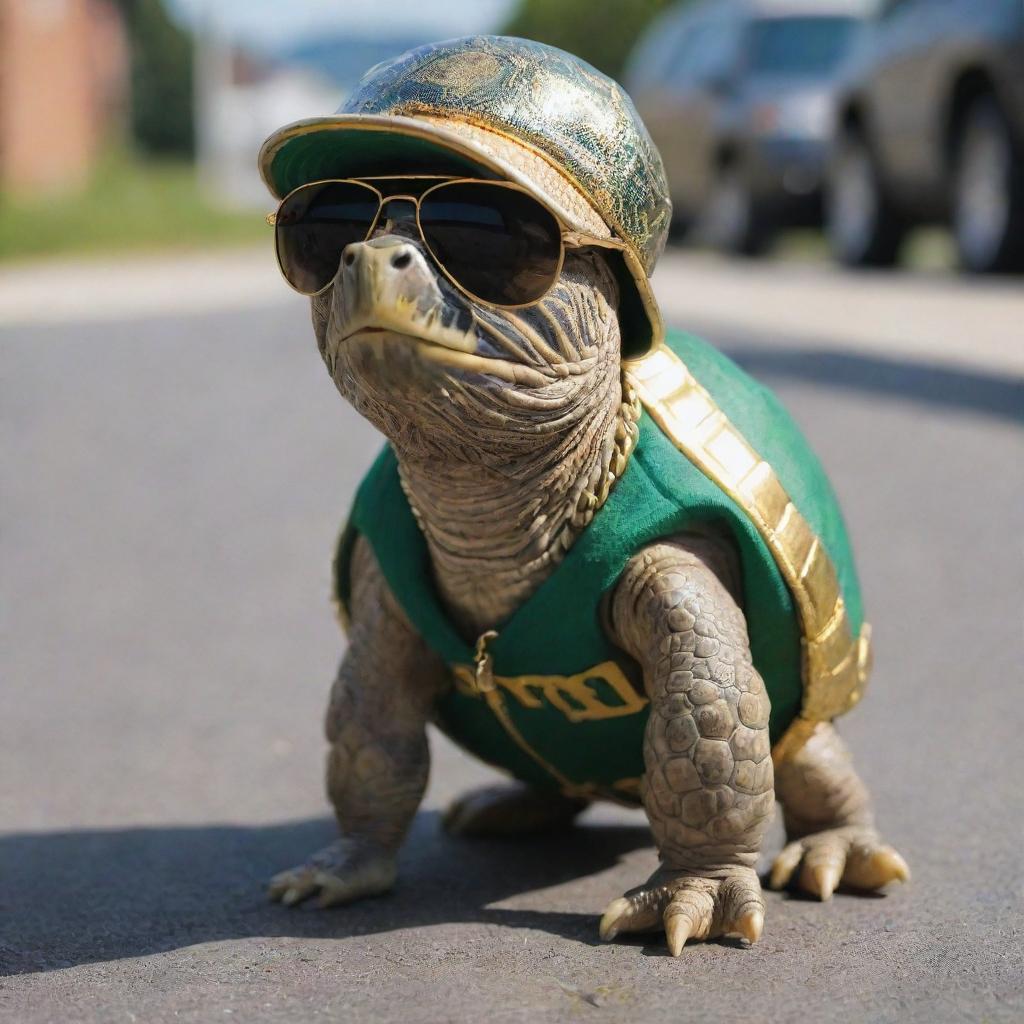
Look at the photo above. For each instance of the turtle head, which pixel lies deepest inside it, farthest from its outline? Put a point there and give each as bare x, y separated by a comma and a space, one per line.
410, 350
402, 343
434, 369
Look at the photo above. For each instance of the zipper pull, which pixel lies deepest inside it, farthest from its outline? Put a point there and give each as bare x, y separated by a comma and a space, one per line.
484, 674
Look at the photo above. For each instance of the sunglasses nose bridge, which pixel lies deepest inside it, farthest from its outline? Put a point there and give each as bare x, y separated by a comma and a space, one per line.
396, 210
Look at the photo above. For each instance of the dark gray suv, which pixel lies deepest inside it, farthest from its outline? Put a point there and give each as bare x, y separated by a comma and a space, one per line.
737, 95
930, 128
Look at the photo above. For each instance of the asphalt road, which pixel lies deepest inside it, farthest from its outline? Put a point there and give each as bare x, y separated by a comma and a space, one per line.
172, 486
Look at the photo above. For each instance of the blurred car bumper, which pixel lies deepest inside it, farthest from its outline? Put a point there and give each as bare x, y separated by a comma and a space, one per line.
787, 174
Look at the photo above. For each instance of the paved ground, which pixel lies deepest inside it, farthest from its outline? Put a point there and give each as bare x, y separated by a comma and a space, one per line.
951, 321
172, 484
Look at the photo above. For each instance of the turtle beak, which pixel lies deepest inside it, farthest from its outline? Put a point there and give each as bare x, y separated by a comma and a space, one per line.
388, 285
387, 289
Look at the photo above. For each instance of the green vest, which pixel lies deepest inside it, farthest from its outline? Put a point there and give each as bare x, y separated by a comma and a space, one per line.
567, 709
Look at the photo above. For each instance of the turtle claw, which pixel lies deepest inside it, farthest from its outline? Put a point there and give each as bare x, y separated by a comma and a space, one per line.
853, 856
292, 887
749, 925
820, 879
296, 894
784, 866
611, 920
690, 906
291, 894
623, 915
340, 873
677, 931
874, 868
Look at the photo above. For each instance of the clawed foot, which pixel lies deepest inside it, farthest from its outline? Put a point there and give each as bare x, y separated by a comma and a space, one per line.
509, 810
339, 873
690, 906
854, 855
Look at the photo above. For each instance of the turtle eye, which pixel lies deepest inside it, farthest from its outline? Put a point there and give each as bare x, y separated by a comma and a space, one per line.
495, 242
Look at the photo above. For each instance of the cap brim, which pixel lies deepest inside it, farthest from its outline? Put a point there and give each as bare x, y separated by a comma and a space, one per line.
364, 145
360, 145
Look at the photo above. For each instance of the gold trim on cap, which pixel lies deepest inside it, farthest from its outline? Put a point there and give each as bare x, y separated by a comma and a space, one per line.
493, 150
835, 663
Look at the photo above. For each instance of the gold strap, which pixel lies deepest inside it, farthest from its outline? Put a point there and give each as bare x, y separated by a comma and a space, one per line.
835, 663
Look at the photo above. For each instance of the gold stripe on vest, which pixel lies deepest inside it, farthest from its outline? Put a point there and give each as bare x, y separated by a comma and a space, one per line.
835, 663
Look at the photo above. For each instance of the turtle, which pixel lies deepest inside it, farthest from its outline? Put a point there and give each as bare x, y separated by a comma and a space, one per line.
596, 554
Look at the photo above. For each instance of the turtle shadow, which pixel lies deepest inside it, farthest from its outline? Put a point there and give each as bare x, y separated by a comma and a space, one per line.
91, 896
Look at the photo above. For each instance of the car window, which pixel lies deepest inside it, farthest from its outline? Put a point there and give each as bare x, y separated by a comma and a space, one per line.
804, 47
657, 53
719, 50
709, 50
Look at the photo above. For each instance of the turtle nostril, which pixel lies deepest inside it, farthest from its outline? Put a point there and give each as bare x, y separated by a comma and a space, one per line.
401, 260
349, 258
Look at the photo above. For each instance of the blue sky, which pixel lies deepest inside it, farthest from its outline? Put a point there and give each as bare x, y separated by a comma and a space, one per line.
276, 22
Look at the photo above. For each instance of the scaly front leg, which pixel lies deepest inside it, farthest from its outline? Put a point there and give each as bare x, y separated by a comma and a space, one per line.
378, 762
829, 823
708, 782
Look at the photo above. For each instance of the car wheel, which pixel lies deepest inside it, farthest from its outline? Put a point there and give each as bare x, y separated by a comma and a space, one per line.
863, 229
988, 192
734, 223
681, 225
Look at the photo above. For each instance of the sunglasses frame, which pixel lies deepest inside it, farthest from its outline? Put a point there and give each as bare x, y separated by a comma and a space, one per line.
568, 238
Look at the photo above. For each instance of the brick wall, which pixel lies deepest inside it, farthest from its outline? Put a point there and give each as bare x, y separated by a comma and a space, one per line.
63, 69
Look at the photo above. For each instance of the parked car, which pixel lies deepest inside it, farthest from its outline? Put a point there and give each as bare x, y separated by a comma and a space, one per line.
930, 128
737, 95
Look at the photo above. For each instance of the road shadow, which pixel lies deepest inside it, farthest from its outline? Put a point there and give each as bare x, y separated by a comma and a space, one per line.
69, 898
974, 391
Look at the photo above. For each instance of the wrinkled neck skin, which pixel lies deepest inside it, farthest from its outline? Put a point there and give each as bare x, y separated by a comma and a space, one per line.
495, 468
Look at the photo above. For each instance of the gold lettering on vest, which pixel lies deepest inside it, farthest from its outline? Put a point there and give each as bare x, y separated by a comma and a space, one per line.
595, 694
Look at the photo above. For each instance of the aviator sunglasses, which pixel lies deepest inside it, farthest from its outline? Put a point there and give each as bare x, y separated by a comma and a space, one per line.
493, 240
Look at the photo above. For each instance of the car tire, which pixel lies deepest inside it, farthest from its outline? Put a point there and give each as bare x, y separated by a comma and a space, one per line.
734, 222
988, 192
863, 228
681, 225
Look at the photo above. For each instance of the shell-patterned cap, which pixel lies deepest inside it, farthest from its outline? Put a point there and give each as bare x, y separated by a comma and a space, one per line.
507, 107
571, 113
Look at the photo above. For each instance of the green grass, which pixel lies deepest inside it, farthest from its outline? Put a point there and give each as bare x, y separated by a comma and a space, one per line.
130, 204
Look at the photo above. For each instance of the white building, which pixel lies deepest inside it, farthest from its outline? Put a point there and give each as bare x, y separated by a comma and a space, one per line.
240, 100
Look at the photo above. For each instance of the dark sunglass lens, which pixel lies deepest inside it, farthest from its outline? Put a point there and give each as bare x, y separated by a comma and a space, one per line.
498, 243
315, 224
